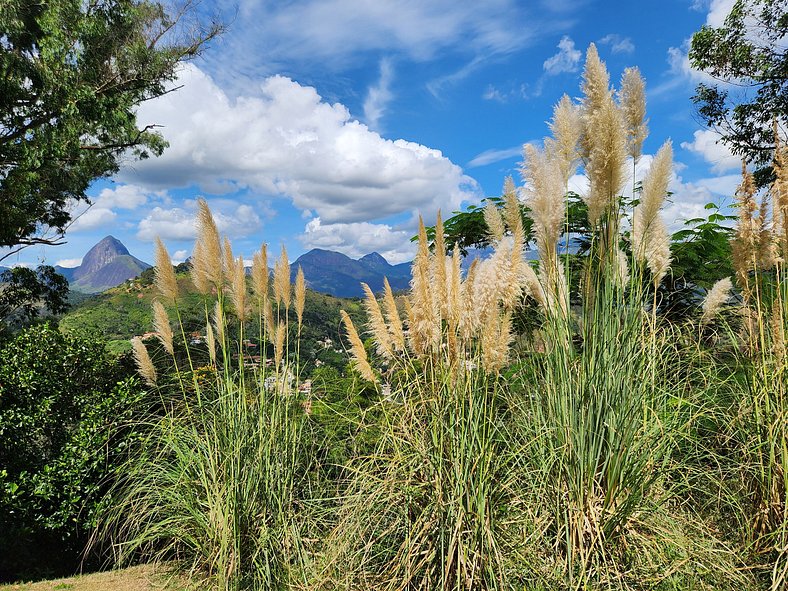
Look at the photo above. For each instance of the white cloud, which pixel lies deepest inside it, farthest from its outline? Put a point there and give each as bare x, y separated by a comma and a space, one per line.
490, 156
379, 96
707, 144
178, 223
335, 31
286, 141
122, 196
91, 218
617, 43
179, 256
69, 263
360, 238
566, 60
718, 10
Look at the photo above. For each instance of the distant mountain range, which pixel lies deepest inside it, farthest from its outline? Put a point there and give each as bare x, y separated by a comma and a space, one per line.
106, 265
334, 273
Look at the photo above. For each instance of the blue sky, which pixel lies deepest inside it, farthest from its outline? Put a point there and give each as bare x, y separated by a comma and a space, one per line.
333, 123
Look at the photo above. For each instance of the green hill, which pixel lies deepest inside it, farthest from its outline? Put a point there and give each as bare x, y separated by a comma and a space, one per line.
123, 312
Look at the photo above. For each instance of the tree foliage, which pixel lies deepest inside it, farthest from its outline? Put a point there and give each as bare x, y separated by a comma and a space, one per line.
24, 293
72, 74
63, 404
748, 55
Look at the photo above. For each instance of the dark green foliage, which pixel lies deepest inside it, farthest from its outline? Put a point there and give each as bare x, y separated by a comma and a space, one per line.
62, 401
24, 293
748, 51
73, 75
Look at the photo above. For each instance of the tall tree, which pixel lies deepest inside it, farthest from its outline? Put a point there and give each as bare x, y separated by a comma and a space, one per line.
72, 74
747, 54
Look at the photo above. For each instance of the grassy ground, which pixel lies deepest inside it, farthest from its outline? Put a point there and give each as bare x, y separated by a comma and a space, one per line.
137, 578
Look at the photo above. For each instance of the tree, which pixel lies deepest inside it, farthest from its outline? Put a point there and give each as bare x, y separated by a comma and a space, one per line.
748, 53
72, 74
25, 292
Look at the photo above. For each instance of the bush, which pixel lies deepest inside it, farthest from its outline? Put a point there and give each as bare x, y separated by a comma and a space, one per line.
61, 399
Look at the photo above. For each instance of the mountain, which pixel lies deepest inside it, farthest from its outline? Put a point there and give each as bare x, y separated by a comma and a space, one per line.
106, 265
337, 274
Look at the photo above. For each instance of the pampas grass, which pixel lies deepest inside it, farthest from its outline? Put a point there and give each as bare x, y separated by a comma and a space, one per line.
161, 324
632, 98
717, 296
164, 274
143, 361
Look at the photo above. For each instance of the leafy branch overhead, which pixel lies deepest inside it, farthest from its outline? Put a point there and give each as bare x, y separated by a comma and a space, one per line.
73, 75
747, 54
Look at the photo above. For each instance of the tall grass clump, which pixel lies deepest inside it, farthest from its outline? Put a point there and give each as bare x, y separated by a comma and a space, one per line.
427, 509
217, 485
759, 426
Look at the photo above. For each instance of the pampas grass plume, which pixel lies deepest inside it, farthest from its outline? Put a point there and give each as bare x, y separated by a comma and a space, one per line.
238, 288
209, 263
377, 324
300, 294
632, 98
279, 342
164, 273
161, 324
494, 221
210, 340
360, 360
715, 299
392, 316
655, 189
142, 359
260, 274
567, 129
282, 279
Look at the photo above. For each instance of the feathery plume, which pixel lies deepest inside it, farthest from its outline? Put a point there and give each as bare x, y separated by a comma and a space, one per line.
743, 245
268, 318
260, 274
632, 98
282, 279
228, 262
494, 221
779, 192
438, 270
209, 263
596, 91
469, 317
300, 295
279, 343
237, 275
377, 324
218, 323
495, 339
545, 197
658, 250
567, 129
198, 274
142, 359
606, 165
161, 324
715, 299
359, 353
533, 287
655, 189
511, 207
210, 340
424, 328
766, 248
392, 316
454, 271
164, 273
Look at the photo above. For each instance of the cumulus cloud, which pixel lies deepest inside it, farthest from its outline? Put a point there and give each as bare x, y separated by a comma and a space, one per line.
178, 223
285, 140
91, 218
618, 43
359, 238
122, 196
707, 144
566, 60
379, 96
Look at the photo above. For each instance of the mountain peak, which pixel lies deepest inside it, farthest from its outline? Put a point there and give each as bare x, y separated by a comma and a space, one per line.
374, 258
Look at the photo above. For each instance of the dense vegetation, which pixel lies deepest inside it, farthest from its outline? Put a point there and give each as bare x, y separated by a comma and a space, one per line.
613, 417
